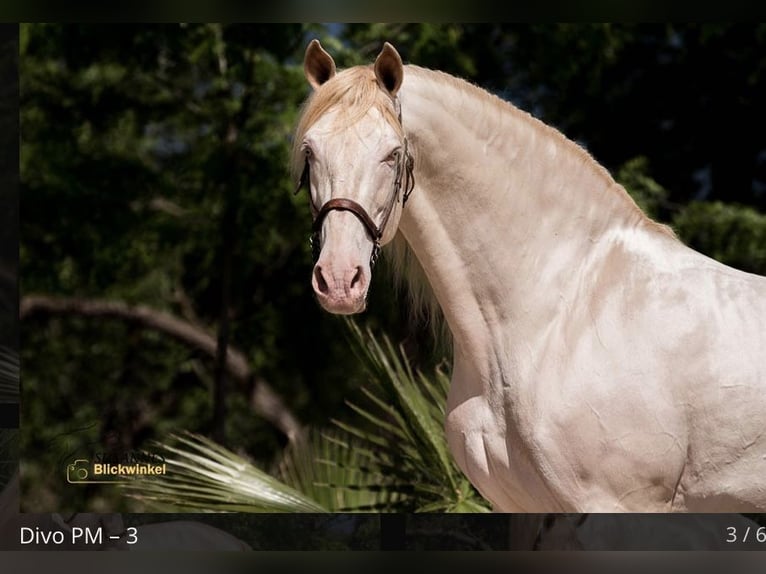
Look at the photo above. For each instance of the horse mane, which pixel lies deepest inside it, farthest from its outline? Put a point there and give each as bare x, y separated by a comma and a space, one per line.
413, 285
528, 120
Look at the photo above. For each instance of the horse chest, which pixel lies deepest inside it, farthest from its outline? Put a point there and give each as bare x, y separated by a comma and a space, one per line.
496, 457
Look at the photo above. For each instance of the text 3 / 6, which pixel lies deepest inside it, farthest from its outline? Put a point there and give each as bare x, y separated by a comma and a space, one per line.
748, 534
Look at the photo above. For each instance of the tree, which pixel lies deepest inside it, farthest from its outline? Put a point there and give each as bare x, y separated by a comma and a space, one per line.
153, 168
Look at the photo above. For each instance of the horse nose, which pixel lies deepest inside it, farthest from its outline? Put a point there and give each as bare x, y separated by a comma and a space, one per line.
319, 282
340, 287
348, 282
357, 281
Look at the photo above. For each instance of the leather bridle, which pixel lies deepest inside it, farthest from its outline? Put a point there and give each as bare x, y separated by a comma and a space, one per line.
404, 167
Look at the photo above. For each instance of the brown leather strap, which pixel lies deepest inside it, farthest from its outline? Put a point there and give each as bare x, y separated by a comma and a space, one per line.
343, 204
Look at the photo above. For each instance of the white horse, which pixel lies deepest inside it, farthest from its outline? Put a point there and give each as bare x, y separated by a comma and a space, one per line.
599, 364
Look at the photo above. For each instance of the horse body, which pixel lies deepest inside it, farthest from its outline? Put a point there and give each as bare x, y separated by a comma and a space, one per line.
599, 364
593, 351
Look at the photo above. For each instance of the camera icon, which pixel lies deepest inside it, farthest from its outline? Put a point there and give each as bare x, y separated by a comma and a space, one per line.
78, 470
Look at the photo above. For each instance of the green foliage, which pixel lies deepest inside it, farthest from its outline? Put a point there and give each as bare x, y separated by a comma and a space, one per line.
732, 234
153, 165
407, 438
341, 472
392, 457
650, 196
206, 476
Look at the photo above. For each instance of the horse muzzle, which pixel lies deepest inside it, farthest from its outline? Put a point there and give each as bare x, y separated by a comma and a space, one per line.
341, 289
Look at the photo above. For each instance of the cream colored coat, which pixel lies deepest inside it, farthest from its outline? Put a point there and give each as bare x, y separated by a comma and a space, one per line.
599, 364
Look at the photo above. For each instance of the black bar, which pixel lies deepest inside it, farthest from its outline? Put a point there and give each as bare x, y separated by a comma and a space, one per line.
393, 531
9, 415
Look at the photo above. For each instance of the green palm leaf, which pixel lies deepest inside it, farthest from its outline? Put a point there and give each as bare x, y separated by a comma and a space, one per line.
390, 456
405, 421
339, 472
204, 475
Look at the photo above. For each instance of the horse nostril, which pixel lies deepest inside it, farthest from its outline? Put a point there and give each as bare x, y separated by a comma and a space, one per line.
320, 285
358, 277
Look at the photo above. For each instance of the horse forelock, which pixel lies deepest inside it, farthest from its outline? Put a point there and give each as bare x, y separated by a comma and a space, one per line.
352, 92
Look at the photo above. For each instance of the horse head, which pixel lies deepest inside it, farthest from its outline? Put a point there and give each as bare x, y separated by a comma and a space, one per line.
353, 153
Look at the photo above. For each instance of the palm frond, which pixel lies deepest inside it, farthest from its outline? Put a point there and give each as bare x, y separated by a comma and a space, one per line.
404, 418
391, 456
205, 476
338, 471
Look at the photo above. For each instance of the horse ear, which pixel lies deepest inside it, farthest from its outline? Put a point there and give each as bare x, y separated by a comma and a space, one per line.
318, 65
389, 70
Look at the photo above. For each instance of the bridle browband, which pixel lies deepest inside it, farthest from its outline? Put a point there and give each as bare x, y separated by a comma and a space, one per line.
404, 167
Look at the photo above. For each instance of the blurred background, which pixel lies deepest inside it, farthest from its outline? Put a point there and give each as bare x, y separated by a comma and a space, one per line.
165, 262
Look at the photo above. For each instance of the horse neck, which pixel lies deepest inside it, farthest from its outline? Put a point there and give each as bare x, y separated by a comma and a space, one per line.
505, 214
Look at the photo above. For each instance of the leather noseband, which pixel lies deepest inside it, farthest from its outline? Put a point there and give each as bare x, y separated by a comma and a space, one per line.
343, 204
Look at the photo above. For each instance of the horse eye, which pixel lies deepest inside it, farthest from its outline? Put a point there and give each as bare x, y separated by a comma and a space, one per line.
393, 157
308, 152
